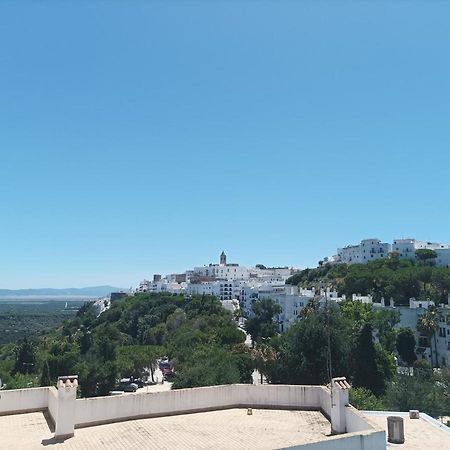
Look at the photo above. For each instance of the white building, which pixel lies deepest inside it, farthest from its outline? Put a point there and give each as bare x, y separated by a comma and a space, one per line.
222, 289
161, 285
408, 318
406, 249
367, 250
373, 249
223, 280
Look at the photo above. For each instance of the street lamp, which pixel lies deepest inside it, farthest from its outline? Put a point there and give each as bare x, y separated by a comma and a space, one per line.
28, 366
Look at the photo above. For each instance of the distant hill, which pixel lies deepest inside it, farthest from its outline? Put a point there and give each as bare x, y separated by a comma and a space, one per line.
93, 291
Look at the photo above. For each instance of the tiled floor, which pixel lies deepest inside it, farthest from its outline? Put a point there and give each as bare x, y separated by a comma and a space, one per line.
228, 429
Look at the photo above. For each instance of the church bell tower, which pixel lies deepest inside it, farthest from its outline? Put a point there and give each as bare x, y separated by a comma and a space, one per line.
223, 259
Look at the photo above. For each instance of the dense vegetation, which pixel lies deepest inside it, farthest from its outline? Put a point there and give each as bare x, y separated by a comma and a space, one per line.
359, 342
391, 277
20, 319
206, 348
197, 334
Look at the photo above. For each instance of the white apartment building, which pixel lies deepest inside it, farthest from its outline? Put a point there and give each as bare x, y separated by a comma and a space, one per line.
373, 249
408, 318
291, 299
222, 289
162, 285
406, 248
367, 250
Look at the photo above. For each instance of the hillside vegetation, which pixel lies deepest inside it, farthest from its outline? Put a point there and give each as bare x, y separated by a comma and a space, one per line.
391, 277
197, 334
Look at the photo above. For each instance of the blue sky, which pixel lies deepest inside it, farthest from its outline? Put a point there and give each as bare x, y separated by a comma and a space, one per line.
142, 137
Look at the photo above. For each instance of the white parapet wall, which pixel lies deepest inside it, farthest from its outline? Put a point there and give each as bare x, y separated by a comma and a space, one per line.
69, 413
53, 403
109, 409
21, 400
361, 441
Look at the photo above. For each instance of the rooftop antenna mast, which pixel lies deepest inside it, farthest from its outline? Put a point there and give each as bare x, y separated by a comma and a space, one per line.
328, 331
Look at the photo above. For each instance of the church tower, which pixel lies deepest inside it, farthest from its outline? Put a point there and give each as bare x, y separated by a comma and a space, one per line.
223, 259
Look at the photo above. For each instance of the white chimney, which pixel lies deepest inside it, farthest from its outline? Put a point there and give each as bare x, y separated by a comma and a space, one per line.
65, 416
339, 402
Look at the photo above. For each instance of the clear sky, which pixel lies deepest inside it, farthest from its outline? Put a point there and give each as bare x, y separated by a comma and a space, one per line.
148, 136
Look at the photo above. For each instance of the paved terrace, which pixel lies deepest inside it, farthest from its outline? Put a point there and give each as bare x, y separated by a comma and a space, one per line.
420, 434
226, 429
208, 417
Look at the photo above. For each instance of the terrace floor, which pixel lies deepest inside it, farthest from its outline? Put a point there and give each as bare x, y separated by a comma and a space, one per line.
226, 429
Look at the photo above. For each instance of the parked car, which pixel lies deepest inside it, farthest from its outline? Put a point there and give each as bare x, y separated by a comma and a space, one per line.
168, 373
130, 387
164, 364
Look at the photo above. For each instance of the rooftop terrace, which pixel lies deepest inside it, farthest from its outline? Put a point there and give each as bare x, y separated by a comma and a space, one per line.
231, 428
284, 416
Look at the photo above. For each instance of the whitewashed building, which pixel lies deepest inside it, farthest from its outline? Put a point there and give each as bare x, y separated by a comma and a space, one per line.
373, 249
406, 248
367, 250
408, 318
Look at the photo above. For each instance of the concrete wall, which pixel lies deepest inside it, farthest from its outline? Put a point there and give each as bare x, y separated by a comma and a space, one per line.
107, 409
19, 400
355, 421
91, 411
364, 441
53, 403
324, 400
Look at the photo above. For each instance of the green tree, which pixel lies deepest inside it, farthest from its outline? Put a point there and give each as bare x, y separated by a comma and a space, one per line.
367, 373
357, 313
208, 366
364, 399
45, 376
26, 357
426, 256
150, 354
428, 324
423, 391
384, 322
440, 279
264, 358
305, 349
406, 344
262, 325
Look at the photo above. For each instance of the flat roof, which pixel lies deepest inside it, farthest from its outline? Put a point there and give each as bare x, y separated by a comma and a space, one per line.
420, 434
224, 429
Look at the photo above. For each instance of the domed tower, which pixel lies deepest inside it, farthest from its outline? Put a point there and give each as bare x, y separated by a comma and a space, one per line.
223, 259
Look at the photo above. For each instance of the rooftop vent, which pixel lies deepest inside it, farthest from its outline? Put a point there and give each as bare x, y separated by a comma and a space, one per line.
396, 431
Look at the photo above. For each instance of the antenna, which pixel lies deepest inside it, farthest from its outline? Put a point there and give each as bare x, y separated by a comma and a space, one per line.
329, 364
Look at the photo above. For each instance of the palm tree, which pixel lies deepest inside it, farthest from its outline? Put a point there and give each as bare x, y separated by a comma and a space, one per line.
264, 356
427, 324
